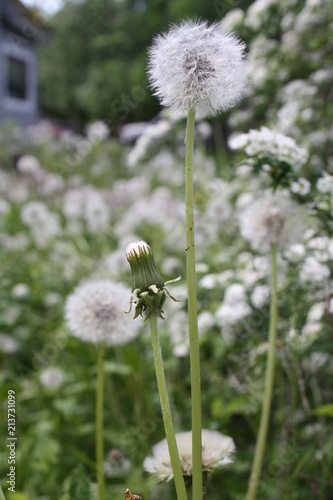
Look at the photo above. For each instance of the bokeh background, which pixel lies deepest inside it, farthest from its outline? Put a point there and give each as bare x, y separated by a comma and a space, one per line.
103, 166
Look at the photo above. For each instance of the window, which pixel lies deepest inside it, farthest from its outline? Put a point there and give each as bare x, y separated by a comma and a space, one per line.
17, 78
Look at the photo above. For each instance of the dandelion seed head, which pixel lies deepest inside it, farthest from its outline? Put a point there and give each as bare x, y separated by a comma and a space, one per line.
272, 218
197, 65
217, 450
95, 312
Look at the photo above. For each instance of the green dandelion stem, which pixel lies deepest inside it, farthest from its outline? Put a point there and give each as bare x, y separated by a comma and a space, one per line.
2, 496
192, 312
269, 384
166, 412
99, 423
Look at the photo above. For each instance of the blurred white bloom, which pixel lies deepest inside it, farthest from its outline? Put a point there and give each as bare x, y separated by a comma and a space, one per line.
204, 129
235, 293
51, 184
20, 290
315, 361
196, 65
95, 312
232, 20
314, 271
208, 281
18, 241
266, 143
230, 314
170, 266
51, 299
316, 312
330, 307
4, 208
322, 247
325, 183
260, 296
272, 218
34, 213
301, 186
29, 165
116, 464
257, 13
217, 451
52, 378
205, 321
96, 211
116, 262
146, 140
8, 345
295, 252
97, 131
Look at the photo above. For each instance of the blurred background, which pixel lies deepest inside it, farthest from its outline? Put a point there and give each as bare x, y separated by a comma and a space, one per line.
88, 163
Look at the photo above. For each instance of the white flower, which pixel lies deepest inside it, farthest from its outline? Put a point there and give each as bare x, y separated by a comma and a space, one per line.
196, 65
316, 312
301, 186
97, 131
314, 271
29, 165
266, 143
217, 450
260, 296
295, 253
8, 345
52, 378
95, 312
272, 218
325, 183
20, 290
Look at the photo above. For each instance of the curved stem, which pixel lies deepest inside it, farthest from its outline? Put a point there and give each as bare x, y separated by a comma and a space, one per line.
166, 412
99, 424
192, 312
269, 383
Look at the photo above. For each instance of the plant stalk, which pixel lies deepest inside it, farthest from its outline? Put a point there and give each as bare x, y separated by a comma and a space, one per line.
192, 313
269, 384
2, 496
99, 423
166, 412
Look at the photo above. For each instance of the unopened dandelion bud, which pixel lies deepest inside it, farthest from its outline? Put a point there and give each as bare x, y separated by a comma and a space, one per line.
144, 272
149, 291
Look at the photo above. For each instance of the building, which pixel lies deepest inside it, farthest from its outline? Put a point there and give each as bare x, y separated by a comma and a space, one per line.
20, 33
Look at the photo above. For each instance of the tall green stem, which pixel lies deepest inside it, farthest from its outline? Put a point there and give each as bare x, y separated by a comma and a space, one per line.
166, 412
269, 383
2, 496
99, 424
192, 312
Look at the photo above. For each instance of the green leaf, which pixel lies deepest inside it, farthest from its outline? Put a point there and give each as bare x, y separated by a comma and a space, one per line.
324, 411
117, 368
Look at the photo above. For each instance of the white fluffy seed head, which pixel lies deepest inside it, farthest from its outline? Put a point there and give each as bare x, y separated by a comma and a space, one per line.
196, 65
217, 450
95, 312
272, 218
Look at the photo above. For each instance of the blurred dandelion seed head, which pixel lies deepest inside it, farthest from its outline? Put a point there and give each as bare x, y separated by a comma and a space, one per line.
272, 218
95, 312
217, 451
